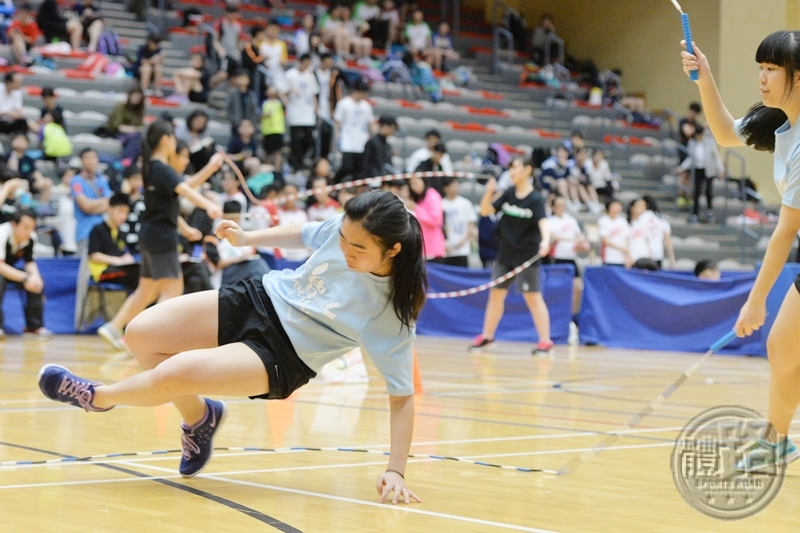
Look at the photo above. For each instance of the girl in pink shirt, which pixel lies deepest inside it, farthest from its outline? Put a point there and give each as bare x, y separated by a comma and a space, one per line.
426, 204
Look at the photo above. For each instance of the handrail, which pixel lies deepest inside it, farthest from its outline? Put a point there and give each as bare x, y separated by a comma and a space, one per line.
498, 31
552, 38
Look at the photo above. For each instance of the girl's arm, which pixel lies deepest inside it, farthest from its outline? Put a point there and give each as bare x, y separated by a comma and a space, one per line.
214, 211
670, 249
289, 236
486, 202
214, 164
609, 244
754, 310
402, 428
719, 118
544, 231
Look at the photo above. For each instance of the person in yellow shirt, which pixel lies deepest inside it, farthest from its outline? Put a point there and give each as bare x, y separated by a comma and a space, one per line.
109, 258
273, 127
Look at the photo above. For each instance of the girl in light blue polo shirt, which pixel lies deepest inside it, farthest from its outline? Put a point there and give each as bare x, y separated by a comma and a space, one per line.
771, 125
364, 286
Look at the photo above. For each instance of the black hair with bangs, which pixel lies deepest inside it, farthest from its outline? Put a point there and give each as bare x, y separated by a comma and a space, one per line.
781, 48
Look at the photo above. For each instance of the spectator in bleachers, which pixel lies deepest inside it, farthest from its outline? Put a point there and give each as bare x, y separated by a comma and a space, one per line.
356, 31
369, 12
418, 35
236, 263
586, 191
460, 221
91, 22
687, 126
19, 160
354, 117
23, 34
54, 25
559, 177
708, 270
290, 213
194, 81
432, 138
705, 163
442, 50
575, 142
390, 14
193, 133
242, 101
252, 58
228, 32
522, 232
243, 144
426, 204
149, 65
377, 151
273, 50
273, 128
18, 266
540, 37
567, 241
126, 122
54, 140
302, 37
600, 173
640, 238
50, 101
645, 263
230, 189
660, 233
12, 118
330, 92
110, 260
324, 207
434, 164
301, 112
615, 235
132, 185
11, 187
90, 192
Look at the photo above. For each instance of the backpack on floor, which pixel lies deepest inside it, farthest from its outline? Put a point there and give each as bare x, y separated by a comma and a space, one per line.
109, 44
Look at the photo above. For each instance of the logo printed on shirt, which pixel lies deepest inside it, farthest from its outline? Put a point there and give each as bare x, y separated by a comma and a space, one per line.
310, 292
516, 211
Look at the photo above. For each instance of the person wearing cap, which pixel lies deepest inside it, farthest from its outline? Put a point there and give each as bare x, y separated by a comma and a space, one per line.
432, 138
377, 152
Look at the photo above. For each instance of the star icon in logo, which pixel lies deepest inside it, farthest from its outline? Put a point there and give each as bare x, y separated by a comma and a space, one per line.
730, 500
710, 499
747, 499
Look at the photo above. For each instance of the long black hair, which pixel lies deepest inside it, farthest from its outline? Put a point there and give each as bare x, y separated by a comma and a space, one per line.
155, 132
781, 48
384, 216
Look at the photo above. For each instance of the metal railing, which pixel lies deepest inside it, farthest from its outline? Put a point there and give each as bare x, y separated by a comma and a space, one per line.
498, 32
558, 41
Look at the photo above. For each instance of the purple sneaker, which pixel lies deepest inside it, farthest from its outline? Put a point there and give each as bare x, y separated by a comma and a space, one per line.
198, 440
61, 385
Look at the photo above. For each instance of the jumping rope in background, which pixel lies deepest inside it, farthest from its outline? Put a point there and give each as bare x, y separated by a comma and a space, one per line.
387, 178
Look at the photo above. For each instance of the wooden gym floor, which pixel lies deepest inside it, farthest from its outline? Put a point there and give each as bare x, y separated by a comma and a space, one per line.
499, 407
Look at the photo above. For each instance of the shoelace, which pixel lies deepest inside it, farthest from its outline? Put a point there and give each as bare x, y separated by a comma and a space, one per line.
190, 447
79, 390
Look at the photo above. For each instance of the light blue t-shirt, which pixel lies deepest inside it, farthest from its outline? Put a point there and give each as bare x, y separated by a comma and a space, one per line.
95, 189
786, 168
327, 310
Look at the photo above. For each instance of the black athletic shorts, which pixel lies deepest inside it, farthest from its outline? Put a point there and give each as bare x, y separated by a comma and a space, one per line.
246, 315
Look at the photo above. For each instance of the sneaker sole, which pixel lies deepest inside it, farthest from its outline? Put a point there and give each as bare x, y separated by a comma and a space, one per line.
479, 349
220, 423
39, 378
783, 462
110, 339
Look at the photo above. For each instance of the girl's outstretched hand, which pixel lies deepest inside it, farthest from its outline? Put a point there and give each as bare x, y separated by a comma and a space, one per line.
697, 61
230, 230
392, 481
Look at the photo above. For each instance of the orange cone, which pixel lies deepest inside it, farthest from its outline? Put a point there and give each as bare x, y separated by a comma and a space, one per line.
417, 376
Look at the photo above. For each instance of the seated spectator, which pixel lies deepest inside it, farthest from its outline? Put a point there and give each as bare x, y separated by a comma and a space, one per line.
12, 118
356, 31
92, 22
54, 140
228, 32
369, 12
559, 177
19, 160
334, 33
708, 270
434, 164
273, 128
426, 204
418, 34
390, 14
193, 133
378, 152
90, 192
325, 207
133, 186
460, 220
194, 81
23, 34
290, 213
432, 138
149, 66
18, 266
442, 49
110, 260
600, 173
54, 25
243, 144
301, 42
236, 263
422, 76
615, 236
575, 142
586, 190
126, 123
230, 189
273, 50
242, 101
541, 40
50, 101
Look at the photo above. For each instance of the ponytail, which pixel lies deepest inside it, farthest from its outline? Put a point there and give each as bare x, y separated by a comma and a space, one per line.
759, 125
150, 140
384, 216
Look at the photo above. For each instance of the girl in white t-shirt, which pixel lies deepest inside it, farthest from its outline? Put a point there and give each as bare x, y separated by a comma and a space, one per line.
615, 235
639, 247
660, 233
770, 125
567, 241
273, 49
